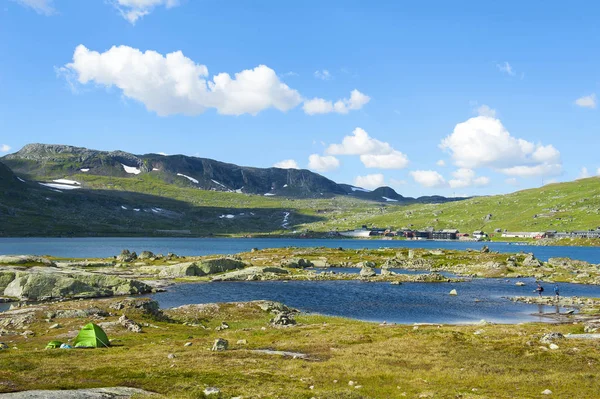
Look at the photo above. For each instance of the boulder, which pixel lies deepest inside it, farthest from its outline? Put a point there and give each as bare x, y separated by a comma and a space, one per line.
283, 319
146, 255
297, 263
126, 256
28, 260
44, 286
485, 249
220, 344
453, 292
366, 271
531, 261
130, 324
180, 270
550, 337
220, 265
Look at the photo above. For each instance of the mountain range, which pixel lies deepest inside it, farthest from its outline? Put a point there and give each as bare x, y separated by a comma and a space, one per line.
49, 162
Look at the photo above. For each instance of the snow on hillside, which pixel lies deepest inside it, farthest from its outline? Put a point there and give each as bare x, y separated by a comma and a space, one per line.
189, 178
132, 170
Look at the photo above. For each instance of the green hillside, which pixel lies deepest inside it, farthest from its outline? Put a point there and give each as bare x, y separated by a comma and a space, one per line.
149, 204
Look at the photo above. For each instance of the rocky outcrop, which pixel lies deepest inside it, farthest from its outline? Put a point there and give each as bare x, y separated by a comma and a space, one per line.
252, 273
297, 263
367, 271
531, 261
202, 268
39, 286
283, 319
26, 260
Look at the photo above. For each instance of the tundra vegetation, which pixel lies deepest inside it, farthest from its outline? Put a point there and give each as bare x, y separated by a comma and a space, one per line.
263, 349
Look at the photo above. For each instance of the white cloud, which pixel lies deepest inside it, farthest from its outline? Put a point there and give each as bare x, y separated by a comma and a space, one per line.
287, 164
132, 10
506, 68
373, 153
598, 172
174, 84
428, 178
321, 106
370, 181
323, 75
483, 141
587, 101
4, 148
441, 162
323, 163
44, 7
485, 110
359, 143
466, 178
584, 173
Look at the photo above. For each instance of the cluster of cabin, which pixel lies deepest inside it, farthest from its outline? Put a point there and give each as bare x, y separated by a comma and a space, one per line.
409, 234
554, 234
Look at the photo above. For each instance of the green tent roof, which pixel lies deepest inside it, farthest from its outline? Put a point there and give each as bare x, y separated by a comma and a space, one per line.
53, 345
91, 336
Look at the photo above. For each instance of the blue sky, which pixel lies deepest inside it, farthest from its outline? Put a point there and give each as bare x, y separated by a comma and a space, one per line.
427, 97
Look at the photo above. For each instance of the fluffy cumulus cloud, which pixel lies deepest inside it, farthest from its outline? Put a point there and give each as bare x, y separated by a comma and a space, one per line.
174, 84
466, 178
321, 106
441, 162
132, 10
428, 178
485, 110
587, 101
4, 148
44, 7
370, 181
483, 141
373, 153
287, 164
323, 163
584, 173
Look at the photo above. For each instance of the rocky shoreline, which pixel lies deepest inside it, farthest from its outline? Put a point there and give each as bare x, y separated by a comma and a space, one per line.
35, 278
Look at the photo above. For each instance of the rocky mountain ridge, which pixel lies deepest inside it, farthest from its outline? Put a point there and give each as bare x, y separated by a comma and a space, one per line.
52, 161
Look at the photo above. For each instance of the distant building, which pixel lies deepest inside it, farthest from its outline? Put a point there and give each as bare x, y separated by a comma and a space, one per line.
448, 234
479, 235
523, 234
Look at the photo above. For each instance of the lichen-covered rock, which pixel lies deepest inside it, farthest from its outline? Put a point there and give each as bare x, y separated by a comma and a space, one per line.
220, 344
43, 286
126, 256
283, 319
25, 260
180, 270
551, 337
531, 261
220, 265
297, 263
130, 324
146, 255
366, 271
251, 273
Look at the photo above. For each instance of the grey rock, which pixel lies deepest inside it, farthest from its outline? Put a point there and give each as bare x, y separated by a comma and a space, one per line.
283, 319
126, 256
91, 393
220, 344
531, 261
130, 324
551, 337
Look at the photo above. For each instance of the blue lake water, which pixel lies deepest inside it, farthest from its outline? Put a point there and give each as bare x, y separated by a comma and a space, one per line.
105, 247
407, 303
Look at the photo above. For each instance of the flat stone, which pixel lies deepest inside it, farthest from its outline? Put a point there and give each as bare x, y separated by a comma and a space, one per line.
92, 393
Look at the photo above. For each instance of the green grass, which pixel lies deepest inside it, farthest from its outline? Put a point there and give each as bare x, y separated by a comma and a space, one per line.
96, 210
505, 361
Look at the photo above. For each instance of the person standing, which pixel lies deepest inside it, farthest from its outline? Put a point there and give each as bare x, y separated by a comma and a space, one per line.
539, 290
556, 292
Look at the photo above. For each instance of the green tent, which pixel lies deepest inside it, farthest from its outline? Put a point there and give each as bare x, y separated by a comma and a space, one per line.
53, 345
91, 336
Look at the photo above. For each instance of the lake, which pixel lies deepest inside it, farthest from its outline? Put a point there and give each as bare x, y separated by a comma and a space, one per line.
106, 247
406, 304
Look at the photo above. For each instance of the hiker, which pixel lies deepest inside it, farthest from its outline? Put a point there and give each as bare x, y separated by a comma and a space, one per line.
556, 292
539, 290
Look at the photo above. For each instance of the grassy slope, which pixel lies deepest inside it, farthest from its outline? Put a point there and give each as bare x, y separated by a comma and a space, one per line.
576, 205
386, 361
